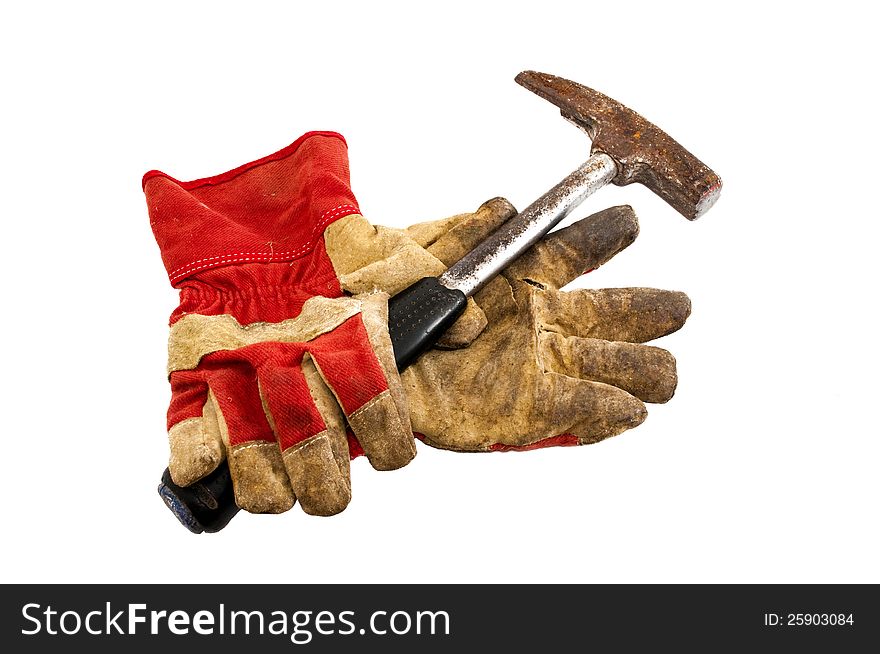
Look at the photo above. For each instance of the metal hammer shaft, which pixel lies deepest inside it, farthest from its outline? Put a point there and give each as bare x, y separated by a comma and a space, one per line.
524, 230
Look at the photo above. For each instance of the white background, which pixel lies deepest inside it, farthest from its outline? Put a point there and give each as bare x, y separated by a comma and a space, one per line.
762, 469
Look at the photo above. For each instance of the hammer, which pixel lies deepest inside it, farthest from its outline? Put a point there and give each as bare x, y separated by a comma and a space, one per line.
626, 148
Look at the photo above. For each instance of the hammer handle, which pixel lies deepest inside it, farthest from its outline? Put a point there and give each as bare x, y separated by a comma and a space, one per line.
480, 265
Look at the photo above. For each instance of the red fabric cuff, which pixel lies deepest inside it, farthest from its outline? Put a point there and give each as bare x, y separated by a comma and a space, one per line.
272, 209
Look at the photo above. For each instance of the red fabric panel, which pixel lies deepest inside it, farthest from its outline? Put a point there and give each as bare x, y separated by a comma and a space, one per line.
234, 384
290, 403
563, 440
354, 447
189, 392
273, 209
349, 365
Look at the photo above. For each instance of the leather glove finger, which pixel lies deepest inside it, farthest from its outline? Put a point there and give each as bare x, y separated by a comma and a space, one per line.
635, 315
452, 238
305, 444
230, 425
562, 411
196, 446
259, 479
564, 255
644, 371
360, 369
597, 411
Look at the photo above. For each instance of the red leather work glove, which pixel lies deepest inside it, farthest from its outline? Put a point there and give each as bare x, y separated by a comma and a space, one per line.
266, 354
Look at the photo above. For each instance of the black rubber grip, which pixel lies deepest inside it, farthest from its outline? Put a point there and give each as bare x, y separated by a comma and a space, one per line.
207, 505
419, 315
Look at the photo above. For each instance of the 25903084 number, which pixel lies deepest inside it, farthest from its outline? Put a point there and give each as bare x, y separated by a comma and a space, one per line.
820, 619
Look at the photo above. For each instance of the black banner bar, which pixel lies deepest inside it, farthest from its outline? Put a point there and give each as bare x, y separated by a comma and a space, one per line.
313, 618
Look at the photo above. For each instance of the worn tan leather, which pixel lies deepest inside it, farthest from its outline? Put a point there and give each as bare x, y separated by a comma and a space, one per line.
549, 363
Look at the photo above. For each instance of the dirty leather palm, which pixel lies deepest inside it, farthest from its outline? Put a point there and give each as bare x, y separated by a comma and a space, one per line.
550, 367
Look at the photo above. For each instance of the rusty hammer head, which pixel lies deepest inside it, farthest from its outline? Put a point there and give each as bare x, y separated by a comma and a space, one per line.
642, 151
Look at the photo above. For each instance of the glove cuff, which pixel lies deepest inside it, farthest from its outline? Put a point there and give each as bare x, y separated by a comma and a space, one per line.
273, 209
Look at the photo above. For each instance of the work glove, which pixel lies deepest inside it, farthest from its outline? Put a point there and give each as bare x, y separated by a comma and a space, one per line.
551, 367
270, 361
533, 366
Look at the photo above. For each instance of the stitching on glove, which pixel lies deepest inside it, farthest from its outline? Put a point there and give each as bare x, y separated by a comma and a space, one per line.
308, 441
247, 446
239, 257
381, 396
